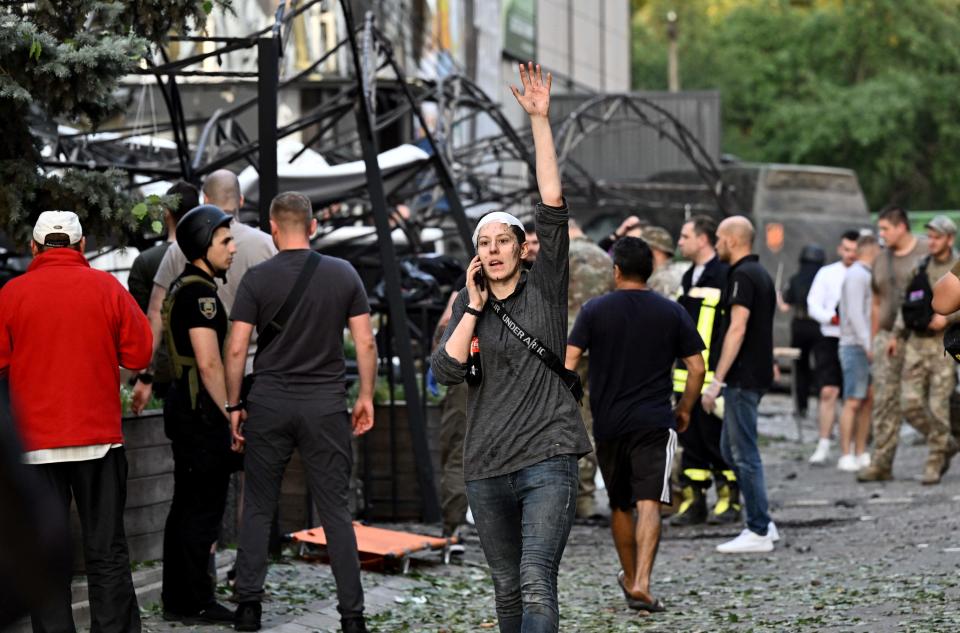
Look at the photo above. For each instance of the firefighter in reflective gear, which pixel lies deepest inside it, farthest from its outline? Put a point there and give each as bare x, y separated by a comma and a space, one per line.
702, 462
195, 418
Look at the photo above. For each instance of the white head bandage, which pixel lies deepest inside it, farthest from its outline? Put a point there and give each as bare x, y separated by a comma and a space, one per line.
497, 216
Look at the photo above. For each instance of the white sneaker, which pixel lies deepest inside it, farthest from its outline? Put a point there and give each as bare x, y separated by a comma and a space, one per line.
823, 451
772, 532
848, 463
747, 543
863, 460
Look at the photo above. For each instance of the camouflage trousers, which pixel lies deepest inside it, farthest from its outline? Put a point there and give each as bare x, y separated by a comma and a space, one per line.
914, 384
588, 463
453, 427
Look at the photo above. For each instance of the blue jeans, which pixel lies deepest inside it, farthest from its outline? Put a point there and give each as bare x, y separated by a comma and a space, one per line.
856, 371
738, 444
524, 519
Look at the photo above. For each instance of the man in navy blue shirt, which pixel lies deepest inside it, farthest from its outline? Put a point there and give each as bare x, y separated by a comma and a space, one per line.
634, 337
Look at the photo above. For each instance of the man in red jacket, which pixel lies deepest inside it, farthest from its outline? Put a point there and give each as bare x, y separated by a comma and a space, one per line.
65, 329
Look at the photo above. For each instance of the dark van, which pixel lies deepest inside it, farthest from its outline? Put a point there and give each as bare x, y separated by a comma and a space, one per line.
792, 206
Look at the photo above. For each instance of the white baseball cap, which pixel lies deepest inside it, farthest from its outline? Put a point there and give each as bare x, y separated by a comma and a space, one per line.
497, 216
62, 222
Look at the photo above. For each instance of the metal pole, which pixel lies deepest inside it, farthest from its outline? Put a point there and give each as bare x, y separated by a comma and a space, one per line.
673, 56
268, 67
391, 277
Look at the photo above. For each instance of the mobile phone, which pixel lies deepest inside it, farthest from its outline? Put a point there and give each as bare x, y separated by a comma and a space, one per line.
479, 280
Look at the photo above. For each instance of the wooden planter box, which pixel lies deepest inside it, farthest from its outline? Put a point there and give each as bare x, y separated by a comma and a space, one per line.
387, 466
149, 489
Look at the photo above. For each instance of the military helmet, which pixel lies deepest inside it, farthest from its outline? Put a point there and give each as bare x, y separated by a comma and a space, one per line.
196, 228
812, 254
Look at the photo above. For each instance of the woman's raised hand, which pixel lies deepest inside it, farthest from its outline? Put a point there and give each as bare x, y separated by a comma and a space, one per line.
535, 99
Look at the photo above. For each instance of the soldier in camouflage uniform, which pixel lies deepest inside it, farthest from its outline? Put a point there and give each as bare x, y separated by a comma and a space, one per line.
891, 274
453, 428
591, 275
667, 274
929, 377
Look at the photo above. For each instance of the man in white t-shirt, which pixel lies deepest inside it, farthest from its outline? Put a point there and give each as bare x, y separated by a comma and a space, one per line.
221, 188
823, 302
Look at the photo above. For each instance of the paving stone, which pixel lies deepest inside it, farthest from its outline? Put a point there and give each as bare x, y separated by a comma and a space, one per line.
838, 567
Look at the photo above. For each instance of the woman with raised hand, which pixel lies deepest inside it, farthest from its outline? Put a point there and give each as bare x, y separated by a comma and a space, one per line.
524, 431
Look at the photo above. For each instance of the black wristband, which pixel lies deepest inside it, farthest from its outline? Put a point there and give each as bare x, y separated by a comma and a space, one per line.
230, 408
470, 310
145, 377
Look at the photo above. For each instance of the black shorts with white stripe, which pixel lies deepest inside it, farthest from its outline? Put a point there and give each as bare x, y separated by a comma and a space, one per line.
636, 466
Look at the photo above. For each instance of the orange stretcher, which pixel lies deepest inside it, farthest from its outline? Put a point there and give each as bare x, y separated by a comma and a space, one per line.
379, 547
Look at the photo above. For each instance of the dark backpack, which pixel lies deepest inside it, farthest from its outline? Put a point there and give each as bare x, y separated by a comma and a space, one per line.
917, 306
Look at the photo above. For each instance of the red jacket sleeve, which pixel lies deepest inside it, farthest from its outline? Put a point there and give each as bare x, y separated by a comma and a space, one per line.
6, 349
136, 339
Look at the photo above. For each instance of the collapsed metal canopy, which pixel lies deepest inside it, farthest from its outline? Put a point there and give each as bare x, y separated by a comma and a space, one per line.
491, 172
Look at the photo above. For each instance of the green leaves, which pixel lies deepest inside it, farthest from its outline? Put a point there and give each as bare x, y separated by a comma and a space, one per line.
139, 211
67, 57
871, 85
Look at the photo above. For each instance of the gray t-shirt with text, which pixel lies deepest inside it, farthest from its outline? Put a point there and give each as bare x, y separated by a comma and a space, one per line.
522, 413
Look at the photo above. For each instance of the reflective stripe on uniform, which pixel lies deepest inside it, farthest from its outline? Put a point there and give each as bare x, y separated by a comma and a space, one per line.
697, 474
705, 322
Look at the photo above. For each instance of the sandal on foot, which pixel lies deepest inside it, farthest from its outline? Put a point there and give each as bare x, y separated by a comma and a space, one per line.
635, 603
650, 607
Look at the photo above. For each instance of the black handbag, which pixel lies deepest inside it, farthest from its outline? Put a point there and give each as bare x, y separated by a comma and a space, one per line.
951, 341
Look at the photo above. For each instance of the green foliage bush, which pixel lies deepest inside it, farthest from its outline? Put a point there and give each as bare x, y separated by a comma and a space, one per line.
65, 59
872, 85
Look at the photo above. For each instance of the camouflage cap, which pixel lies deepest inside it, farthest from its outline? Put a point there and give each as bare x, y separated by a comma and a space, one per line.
942, 224
658, 238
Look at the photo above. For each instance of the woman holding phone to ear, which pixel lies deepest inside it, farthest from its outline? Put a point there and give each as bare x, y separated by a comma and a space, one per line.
524, 431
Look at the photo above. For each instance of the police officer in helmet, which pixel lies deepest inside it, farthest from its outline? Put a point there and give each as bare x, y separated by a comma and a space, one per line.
195, 418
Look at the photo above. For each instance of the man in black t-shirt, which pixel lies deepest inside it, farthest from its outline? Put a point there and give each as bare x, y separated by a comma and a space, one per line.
744, 372
298, 400
634, 337
195, 420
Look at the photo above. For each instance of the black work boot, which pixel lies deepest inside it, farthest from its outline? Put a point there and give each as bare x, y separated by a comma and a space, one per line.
247, 617
727, 509
353, 625
693, 508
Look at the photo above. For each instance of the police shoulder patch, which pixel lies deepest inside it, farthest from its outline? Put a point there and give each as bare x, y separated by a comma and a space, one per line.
208, 306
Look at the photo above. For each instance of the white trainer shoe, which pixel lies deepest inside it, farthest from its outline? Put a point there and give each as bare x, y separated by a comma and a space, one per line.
747, 543
820, 455
773, 532
848, 463
863, 460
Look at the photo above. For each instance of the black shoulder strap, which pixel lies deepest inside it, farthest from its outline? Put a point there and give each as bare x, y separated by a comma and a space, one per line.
275, 326
570, 378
